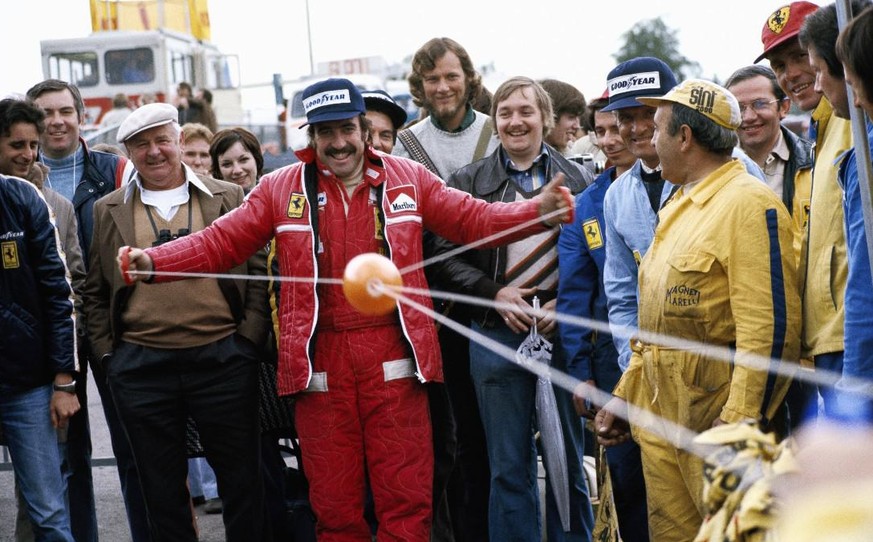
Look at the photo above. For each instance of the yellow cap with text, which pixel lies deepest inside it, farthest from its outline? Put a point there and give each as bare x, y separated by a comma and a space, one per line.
713, 101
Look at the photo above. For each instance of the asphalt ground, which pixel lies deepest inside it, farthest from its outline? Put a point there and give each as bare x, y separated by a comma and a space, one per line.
111, 516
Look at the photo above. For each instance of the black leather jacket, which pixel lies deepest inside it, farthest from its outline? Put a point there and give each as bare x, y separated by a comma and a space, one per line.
481, 272
103, 174
800, 157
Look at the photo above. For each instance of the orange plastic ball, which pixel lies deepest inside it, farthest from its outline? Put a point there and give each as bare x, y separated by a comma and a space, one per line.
363, 275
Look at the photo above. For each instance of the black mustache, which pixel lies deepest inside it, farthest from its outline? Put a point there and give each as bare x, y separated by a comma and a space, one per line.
347, 149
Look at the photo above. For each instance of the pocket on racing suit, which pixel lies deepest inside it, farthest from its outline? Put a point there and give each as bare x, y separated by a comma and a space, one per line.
706, 383
686, 279
405, 397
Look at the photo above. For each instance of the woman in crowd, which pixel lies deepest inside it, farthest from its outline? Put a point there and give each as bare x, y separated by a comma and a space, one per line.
237, 157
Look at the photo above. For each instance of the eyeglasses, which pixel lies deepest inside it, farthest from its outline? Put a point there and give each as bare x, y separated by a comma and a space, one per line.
758, 105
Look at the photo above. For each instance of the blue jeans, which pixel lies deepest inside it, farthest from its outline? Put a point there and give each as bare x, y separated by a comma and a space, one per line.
36, 460
201, 478
77, 467
833, 362
506, 394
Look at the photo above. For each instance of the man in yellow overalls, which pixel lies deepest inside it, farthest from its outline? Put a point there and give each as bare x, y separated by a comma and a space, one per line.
720, 271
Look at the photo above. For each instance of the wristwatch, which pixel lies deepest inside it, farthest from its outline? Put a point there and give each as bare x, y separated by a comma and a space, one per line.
69, 387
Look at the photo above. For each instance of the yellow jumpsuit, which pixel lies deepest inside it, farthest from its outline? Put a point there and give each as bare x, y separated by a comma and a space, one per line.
722, 271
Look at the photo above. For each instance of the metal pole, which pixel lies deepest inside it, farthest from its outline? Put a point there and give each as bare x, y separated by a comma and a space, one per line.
859, 139
309, 40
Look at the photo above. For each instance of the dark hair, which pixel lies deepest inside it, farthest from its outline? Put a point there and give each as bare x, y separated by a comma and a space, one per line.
565, 97
13, 111
425, 60
709, 135
225, 139
363, 122
756, 70
541, 97
481, 102
594, 106
56, 85
820, 31
207, 95
853, 49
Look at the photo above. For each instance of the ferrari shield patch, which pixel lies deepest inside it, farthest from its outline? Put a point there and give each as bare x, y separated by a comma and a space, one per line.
296, 205
10, 254
592, 234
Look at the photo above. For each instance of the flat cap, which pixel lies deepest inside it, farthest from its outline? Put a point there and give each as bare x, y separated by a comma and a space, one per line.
145, 117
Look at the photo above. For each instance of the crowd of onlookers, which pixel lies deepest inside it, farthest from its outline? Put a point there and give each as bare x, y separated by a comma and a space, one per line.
659, 210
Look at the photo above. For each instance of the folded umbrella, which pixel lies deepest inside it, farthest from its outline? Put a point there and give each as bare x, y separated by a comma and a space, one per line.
536, 348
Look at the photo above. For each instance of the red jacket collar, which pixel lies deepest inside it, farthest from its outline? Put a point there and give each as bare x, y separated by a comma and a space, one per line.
374, 169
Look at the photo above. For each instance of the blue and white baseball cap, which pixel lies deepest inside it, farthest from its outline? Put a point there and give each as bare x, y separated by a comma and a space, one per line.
641, 76
332, 99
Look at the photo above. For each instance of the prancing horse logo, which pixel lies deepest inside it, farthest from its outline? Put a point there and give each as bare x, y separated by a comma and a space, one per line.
779, 19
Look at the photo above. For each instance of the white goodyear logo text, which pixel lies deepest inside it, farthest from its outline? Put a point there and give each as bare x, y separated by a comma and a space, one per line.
402, 199
326, 98
634, 82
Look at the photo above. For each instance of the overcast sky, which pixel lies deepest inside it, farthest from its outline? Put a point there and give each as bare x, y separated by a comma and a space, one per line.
571, 40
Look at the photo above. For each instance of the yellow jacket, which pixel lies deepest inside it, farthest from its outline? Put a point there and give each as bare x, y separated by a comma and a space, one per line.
823, 265
722, 271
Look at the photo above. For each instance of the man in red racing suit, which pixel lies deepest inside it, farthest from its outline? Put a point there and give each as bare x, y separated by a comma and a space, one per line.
358, 378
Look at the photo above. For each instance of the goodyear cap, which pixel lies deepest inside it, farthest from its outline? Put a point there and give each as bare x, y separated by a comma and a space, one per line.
332, 99
641, 76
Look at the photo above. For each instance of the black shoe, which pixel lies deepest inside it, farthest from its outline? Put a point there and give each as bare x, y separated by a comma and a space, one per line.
213, 506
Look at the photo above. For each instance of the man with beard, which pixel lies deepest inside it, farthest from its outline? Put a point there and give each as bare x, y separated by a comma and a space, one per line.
445, 84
